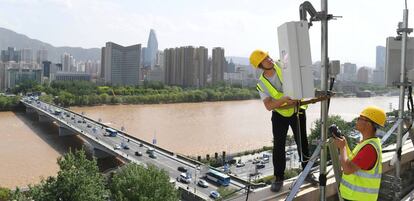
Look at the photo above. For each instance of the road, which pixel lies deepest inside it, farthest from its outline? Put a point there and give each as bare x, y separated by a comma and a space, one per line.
95, 131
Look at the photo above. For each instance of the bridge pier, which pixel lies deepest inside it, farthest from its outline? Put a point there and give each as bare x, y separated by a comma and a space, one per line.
30, 110
100, 154
64, 131
44, 119
97, 150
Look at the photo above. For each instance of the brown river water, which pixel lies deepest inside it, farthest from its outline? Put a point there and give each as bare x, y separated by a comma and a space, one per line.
28, 149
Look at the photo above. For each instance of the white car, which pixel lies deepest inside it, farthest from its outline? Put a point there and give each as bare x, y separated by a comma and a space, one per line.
240, 164
184, 178
202, 183
117, 147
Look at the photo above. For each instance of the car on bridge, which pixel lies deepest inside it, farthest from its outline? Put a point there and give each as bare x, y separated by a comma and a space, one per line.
255, 161
184, 178
124, 145
152, 155
260, 166
182, 169
214, 194
202, 183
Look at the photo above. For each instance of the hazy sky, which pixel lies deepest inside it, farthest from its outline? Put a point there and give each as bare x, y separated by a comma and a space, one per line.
239, 26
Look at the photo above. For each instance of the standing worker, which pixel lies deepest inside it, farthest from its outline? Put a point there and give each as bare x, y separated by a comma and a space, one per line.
362, 168
270, 87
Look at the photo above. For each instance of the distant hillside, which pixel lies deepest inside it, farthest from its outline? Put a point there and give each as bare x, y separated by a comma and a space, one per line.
10, 38
239, 60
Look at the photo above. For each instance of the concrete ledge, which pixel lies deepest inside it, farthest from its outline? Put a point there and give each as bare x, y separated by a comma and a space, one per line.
308, 192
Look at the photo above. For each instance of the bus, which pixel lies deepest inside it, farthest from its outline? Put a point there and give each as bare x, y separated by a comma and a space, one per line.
111, 132
218, 177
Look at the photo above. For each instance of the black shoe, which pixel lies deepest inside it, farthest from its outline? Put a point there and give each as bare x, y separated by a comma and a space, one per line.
276, 185
311, 179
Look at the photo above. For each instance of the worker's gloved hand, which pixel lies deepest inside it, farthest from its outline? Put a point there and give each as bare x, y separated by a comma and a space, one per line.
340, 142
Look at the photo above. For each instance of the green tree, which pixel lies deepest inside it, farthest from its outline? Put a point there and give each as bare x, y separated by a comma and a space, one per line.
4, 194
134, 182
25, 86
46, 98
345, 127
19, 196
66, 98
78, 179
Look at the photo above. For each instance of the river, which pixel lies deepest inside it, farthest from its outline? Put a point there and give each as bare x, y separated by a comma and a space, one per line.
28, 150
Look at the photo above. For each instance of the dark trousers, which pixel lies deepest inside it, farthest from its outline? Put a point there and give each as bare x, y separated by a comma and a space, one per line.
280, 126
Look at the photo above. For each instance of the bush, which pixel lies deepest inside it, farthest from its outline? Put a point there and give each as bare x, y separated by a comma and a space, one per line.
4, 194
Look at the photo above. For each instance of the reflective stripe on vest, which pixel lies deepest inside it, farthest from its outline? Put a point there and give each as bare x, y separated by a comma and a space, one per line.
266, 87
363, 184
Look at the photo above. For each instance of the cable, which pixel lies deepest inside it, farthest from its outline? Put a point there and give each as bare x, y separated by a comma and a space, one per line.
332, 82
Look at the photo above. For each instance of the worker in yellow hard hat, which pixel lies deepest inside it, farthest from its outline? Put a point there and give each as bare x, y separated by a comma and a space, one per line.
362, 168
270, 87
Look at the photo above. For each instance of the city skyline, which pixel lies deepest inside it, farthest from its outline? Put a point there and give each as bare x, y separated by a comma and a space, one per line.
239, 27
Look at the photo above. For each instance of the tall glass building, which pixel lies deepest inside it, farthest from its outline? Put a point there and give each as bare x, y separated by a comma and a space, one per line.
120, 65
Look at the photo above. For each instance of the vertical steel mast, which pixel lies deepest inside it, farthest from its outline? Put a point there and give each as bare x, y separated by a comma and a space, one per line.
403, 83
324, 88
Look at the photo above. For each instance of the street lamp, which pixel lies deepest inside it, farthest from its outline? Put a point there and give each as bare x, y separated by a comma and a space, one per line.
195, 177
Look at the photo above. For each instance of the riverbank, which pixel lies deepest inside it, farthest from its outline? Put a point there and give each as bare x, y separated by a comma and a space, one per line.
69, 94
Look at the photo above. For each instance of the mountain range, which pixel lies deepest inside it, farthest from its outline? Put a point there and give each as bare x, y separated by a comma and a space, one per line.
9, 38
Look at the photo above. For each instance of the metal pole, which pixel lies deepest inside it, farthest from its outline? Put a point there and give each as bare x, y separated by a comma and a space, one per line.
401, 104
324, 104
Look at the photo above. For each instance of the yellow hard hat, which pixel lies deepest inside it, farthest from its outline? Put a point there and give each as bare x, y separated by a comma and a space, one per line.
375, 114
257, 57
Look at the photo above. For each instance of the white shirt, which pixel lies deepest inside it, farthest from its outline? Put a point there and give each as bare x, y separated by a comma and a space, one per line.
276, 82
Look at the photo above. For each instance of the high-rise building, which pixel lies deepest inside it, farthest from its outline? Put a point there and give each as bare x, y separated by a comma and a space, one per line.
41, 55
67, 61
121, 64
10, 55
2, 77
349, 72
16, 75
231, 67
201, 66
186, 66
152, 50
218, 65
363, 74
379, 72
26, 55
143, 56
380, 58
102, 71
171, 65
46, 68
159, 60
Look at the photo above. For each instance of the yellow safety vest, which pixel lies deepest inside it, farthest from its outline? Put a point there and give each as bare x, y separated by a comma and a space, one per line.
266, 87
363, 184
